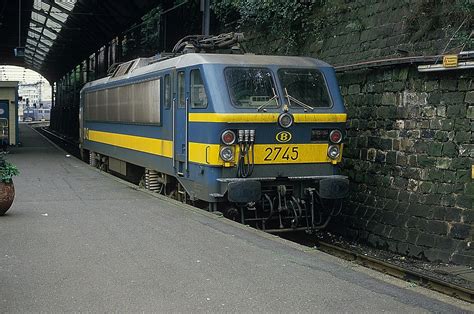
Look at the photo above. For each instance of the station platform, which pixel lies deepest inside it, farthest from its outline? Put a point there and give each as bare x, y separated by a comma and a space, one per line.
77, 239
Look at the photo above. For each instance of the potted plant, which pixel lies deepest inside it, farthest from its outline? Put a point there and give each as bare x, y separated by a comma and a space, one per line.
7, 190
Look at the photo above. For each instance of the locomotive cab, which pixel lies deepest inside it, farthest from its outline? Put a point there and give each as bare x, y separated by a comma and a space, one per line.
281, 126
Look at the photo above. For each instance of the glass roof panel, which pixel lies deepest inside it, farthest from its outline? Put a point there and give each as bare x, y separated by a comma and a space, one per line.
37, 4
40, 43
31, 34
59, 15
38, 57
68, 5
49, 34
34, 36
36, 27
45, 49
38, 17
40, 48
46, 41
45, 6
53, 25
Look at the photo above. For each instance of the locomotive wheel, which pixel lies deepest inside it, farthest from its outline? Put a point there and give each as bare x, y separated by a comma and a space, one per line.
173, 194
84, 155
231, 213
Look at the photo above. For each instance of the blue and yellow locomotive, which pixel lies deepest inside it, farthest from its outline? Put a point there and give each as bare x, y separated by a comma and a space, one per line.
258, 138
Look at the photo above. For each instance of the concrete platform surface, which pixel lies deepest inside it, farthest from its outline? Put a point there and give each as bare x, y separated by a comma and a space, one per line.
79, 240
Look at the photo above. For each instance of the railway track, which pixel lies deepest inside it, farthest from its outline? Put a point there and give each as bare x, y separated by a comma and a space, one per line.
65, 143
409, 275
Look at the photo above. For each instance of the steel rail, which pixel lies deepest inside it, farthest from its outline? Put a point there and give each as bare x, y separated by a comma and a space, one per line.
419, 278
56, 135
65, 143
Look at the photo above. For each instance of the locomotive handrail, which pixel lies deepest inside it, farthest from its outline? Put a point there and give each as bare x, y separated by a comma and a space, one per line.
207, 153
173, 130
186, 128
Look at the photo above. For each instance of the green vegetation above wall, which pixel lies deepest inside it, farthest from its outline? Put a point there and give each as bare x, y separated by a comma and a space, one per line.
285, 20
342, 31
449, 16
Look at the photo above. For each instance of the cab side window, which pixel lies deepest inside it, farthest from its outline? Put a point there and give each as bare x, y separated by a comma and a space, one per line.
198, 92
167, 87
181, 90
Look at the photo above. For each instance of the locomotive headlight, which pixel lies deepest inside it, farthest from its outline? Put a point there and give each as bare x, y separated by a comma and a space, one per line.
227, 154
228, 137
333, 151
335, 136
285, 120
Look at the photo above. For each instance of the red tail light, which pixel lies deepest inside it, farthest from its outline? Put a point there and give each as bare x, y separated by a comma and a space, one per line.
228, 137
335, 136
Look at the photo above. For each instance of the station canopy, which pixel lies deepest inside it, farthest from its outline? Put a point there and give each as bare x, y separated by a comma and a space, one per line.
47, 20
59, 34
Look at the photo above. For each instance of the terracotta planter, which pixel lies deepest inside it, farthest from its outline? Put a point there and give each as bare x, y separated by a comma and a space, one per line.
7, 194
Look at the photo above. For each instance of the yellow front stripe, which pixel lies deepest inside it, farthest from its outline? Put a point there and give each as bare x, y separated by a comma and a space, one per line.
265, 117
208, 154
142, 144
320, 117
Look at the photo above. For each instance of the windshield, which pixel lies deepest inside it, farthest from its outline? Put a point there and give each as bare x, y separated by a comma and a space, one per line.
251, 87
306, 86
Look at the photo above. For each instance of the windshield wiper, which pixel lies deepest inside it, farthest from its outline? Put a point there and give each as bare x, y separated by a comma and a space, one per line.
268, 102
296, 101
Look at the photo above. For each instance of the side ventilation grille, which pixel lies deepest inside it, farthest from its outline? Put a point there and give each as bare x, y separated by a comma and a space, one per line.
128, 67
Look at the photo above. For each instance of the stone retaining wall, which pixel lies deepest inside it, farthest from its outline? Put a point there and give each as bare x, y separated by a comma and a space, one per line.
409, 154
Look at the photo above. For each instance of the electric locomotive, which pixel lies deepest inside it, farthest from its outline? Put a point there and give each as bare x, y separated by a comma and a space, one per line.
256, 137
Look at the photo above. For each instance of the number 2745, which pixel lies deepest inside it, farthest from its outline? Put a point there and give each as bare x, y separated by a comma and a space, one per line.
280, 153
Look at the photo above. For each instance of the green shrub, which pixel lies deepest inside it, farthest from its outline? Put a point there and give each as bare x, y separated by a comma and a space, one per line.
7, 170
280, 19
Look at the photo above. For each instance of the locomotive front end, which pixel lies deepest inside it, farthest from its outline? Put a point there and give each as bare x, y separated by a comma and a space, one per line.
281, 147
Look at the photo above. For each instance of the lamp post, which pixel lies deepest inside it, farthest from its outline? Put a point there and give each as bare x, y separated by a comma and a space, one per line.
19, 51
206, 16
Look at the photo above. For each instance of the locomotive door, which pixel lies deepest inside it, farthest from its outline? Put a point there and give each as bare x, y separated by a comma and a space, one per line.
180, 107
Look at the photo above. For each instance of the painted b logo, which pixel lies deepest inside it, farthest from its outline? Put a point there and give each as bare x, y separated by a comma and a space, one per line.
283, 136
